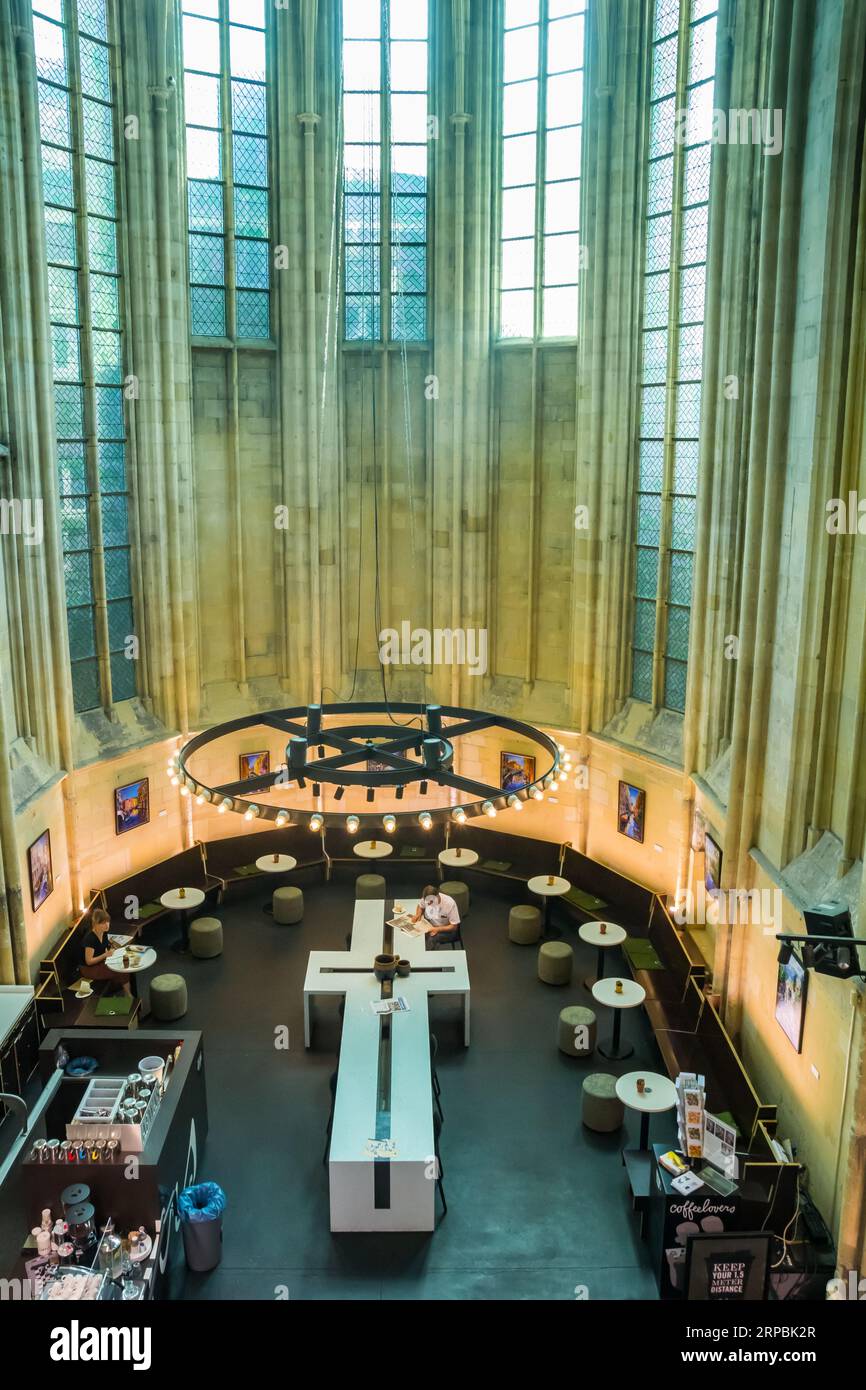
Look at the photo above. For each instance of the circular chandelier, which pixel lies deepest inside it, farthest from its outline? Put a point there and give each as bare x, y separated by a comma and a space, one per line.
373, 750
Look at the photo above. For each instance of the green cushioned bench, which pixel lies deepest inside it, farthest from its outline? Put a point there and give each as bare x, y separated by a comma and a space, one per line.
247, 870
495, 866
414, 852
642, 954
586, 902
149, 910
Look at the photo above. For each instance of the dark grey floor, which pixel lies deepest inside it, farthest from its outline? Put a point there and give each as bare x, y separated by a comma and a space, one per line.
537, 1205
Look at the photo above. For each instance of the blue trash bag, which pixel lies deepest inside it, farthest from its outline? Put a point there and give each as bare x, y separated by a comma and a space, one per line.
203, 1202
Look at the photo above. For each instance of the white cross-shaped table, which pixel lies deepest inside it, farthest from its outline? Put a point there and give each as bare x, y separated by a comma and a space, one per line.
384, 1089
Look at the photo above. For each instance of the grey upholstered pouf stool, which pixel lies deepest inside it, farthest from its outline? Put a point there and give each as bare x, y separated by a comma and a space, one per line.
206, 937
524, 924
460, 893
288, 906
369, 886
554, 963
168, 997
569, 1038
602, 1108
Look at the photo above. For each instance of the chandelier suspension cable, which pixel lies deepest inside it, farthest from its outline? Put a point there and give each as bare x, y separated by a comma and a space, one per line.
336, 287
331, 335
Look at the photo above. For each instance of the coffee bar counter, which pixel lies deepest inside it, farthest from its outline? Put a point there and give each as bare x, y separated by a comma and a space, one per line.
91, 1187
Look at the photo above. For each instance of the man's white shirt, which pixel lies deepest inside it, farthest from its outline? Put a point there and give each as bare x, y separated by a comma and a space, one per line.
441, 911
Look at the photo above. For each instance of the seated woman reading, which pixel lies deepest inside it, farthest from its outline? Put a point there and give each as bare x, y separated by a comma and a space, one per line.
96, 951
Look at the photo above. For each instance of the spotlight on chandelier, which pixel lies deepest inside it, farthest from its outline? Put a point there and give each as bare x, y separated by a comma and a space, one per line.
316, 822
425, 820
489, 809
352, 823
459, 815
390, 823
515, 803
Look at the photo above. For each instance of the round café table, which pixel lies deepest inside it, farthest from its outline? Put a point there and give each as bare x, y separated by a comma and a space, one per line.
373, 849
172, 900
457, 858
275, 864
630, 997
138, 961
591, 933
541, 886
659, 1094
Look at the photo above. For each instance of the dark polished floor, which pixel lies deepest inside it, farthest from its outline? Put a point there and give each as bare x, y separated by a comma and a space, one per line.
537, 1205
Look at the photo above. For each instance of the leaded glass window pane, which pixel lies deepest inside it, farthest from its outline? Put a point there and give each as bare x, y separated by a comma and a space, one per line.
542, 114
77, 115
675, 246
385, 135
228, 164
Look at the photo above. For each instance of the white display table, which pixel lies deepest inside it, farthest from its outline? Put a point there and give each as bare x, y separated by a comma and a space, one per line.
276, 863
541, 886
629, 997
659, 1094
370, 1193
458, 858
373, 849
592, 934
192, 898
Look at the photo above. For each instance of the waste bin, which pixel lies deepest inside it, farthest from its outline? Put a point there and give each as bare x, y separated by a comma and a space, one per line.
201, 1214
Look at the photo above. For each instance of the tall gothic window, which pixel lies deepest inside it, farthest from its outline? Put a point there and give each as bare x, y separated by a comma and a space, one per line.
226, 105
677, 204
385, 183
542, 114
75, 67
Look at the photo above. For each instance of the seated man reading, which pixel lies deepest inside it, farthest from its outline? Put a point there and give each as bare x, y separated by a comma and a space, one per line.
441, 915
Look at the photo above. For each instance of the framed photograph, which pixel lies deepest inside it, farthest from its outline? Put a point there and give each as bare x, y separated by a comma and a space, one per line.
516, 770
40, 869
791, 986
131, 806
632, 811
255, 765
728, 1266
712, 864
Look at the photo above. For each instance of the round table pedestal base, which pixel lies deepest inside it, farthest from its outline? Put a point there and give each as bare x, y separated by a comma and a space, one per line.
615, 1053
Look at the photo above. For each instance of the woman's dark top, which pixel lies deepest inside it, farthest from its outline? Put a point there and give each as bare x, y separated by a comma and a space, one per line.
98, 947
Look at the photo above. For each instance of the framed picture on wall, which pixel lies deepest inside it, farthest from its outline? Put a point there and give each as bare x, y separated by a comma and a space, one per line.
255, 765
791, 986
712, 864
131, 806
40, 870
516, 771
632, 811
